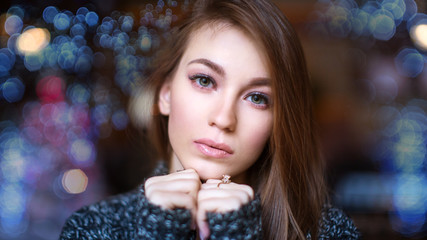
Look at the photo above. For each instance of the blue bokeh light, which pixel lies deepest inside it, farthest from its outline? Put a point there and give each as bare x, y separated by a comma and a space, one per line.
378, 19
71, 105
78, 93
79, 41
61, 21
49, 14
411, 9
77, 30
382, 25
82, 11
83, 64
7, 60
13, 89
11, 42
50, 56
359, 21
79, 18
120, 119
91, 19
13, 25
16, 10
101, 114
403, 153
106, 27
410, 201
409, 62
126, 23
13, 167
12, 205
34, 62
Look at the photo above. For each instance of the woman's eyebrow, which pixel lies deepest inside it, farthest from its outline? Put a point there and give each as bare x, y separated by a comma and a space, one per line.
260, 82
217, 68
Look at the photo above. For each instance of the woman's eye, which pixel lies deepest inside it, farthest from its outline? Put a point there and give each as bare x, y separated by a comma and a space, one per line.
258, 99
203, 81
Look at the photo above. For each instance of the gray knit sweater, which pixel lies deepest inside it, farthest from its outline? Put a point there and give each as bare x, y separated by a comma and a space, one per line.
132, 216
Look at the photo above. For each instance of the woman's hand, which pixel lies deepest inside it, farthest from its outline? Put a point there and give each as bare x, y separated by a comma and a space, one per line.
184, 190
220, 199
176, 190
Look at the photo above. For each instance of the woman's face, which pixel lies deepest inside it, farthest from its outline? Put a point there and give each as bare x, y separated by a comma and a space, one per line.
219, 104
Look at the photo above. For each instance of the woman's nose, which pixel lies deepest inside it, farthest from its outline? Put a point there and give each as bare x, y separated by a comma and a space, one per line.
224, 116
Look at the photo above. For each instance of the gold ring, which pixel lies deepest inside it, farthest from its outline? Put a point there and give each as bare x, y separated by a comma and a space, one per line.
225, 179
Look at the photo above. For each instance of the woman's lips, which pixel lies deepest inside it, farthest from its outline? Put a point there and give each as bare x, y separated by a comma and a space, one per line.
213, 149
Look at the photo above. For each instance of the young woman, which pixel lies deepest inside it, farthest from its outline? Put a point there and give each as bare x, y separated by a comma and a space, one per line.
232, 119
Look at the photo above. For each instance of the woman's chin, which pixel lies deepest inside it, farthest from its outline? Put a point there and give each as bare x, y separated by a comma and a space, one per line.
206, 173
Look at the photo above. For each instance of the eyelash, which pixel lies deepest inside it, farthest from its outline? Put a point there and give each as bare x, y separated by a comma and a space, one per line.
264, 97
196, 80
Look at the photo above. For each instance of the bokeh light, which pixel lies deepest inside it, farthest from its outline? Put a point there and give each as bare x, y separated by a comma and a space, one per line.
49, 14
61, 21
91, 19
13, 25
12, 89
419, 35
7, 61
410, 201
382, 25
82, 152
16, 10
393, 35
74, 181
409, 62
51, 89
403, 152
120, 119
377, 19
33, 40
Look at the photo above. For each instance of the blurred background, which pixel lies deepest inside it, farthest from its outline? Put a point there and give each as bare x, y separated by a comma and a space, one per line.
68, 70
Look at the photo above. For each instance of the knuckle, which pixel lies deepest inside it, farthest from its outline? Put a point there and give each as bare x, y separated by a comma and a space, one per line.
248, 190
194, 175
148, 182
156, 198
235, 203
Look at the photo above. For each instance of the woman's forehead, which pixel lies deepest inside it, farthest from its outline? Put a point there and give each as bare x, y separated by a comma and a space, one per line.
224, 41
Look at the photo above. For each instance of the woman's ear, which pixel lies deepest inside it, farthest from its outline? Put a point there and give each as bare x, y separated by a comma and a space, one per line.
164, 98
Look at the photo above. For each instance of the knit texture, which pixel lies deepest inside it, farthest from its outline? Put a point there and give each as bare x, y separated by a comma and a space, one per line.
132, 216
335, 224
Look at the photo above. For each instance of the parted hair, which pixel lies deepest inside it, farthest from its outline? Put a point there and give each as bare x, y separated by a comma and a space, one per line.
289, 173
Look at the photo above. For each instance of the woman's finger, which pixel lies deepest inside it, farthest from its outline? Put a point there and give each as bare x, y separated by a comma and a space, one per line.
224, 193
213, 184
189, 186
185, 174
172, 200
213, 205
176, 190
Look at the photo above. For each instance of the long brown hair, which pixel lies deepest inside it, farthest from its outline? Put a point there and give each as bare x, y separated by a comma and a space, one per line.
290, 181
